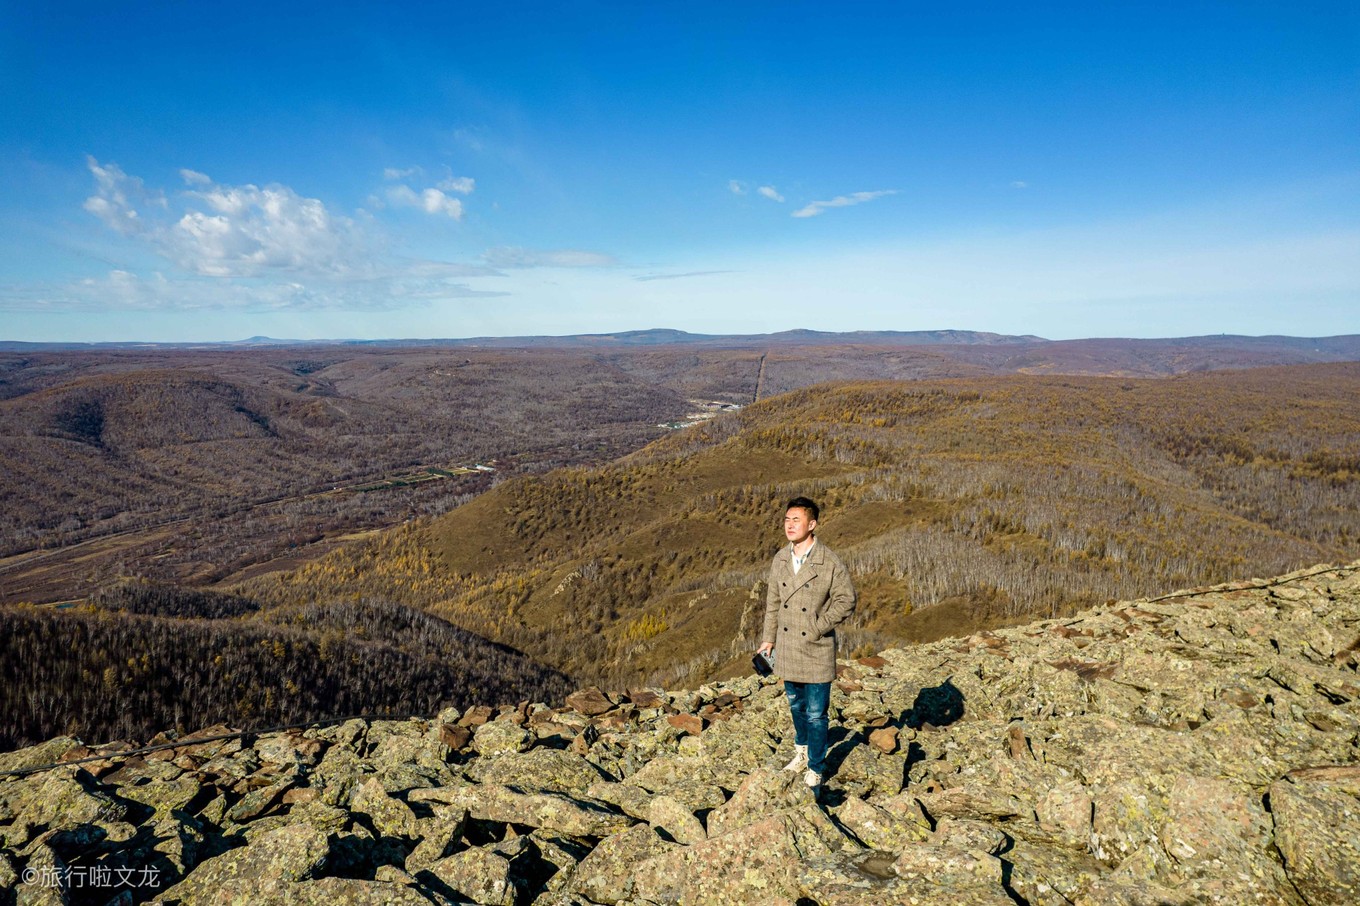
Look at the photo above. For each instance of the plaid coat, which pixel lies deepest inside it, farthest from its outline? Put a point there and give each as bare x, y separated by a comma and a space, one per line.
802, 611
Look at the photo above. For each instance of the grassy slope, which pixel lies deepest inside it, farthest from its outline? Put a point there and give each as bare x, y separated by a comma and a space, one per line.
957, 504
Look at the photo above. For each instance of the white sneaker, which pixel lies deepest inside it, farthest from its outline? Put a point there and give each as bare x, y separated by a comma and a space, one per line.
812, 779
799, 760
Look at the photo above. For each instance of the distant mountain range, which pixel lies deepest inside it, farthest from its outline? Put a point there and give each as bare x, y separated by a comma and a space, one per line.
1348, 344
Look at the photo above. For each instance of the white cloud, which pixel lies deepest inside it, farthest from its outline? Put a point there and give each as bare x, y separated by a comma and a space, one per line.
115, 194
1019, 184
463, 185
737, 187
431, 201
394, 173
248, 230
510, 256
229, 231
253, 248
841, 201
771, 193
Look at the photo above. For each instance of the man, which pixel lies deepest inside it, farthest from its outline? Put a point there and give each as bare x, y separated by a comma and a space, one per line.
809, 595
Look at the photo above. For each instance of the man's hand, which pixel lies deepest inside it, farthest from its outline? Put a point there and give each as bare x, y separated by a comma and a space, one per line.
765, 648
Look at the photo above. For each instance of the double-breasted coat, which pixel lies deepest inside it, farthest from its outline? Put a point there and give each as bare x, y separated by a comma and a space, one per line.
802, 611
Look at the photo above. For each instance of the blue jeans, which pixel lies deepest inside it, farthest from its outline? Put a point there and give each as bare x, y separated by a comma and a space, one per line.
808, 703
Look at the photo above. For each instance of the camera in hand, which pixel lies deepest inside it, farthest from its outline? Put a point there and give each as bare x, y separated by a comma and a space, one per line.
764, 663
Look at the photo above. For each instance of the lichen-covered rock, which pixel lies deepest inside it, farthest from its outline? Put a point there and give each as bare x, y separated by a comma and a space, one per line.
292, 853
390, 817
590, 701
337, 774
1151, 752
1047, 873
539, 770
965, 833
1127, 816
872, 879
43, 753
323, 817
163, 795
477, 874
497, 737
865, 771
759, 861
551, 811
1065, 810
255, 803
319, 892
676, 819
878, 828
1217, 832
629, 799
67, 798
606, 875
1317, 830
764, 791
289, 748
438, 835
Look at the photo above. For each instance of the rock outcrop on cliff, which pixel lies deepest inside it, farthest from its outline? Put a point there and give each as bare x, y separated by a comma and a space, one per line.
1199, 748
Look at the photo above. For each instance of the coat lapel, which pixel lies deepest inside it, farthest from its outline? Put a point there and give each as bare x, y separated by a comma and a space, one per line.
807, 573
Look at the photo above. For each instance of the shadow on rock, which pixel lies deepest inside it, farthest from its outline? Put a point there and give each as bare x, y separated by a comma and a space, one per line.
936, 706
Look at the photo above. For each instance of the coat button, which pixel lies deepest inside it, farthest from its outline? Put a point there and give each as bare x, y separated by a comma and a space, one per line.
786, 629
802, 633
804, 610
786, 607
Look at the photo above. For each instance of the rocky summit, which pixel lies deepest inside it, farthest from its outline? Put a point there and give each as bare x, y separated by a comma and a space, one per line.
1201, 747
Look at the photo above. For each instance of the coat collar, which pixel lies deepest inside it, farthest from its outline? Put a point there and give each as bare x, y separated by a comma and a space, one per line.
808, 572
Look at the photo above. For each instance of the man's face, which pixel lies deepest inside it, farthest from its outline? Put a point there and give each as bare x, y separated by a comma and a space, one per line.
797, 526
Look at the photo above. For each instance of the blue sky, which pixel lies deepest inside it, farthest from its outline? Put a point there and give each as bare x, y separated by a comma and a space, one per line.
182, 172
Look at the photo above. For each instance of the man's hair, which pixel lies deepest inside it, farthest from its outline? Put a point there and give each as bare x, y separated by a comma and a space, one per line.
805, 504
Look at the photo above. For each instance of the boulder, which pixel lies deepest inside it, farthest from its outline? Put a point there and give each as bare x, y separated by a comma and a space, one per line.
761, 861
497, 737
68, 798
763, 792
44, 753
878, 828
538, 770
292, 853
676, 819
320, 892
870, 879
1065, 811
590, 701
390, 816
478, 875
1317, 829
607, 874
550, 811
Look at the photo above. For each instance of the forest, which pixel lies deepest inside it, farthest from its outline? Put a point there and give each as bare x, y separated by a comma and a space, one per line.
194, 537
141, 659
957, 504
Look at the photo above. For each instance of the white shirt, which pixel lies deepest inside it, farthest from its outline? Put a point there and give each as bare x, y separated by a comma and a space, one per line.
799, 561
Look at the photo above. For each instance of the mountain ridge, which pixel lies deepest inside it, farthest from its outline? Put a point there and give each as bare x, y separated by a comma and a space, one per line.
1201, 746
672, 336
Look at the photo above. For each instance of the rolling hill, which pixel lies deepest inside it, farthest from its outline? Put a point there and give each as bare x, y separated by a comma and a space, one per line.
957, 504
211, 463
